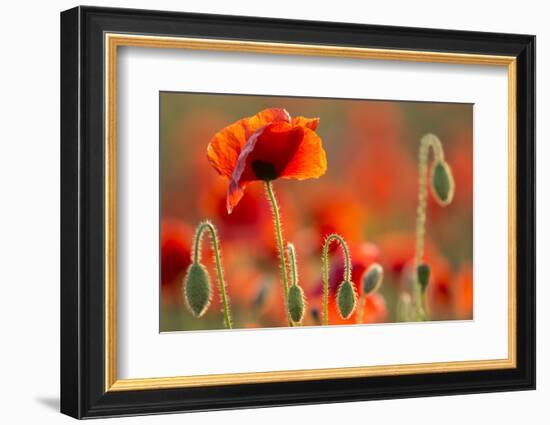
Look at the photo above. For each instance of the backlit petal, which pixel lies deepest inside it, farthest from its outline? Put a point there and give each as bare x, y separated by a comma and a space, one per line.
225, 147
309, 160
267, 116
272, 147
277, 150
310, 123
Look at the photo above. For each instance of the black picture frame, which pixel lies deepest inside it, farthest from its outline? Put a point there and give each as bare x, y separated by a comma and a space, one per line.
83, 392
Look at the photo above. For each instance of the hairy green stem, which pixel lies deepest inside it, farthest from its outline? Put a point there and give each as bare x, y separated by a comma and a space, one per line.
425, 304
280, 244
347, 268
427, 142
206, 225
404, 307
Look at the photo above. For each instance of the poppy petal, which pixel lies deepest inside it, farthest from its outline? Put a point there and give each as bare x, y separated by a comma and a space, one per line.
235, 193
243, 171
309, 160
265, 117
267, 152
225, 147
277, 150
310, 123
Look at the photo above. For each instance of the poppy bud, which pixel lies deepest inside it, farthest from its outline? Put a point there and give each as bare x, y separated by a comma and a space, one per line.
372, 279
197, 289
296, 303
443, 185
423, 276
346, 299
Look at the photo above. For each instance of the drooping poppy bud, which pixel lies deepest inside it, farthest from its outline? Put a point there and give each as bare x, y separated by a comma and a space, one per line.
296, 303
197, 289
423, 276
372, 279
442, 183
346, 299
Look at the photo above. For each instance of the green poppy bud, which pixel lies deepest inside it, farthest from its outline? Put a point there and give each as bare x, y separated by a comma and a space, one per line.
423, 276
443, 185
346, 299
372, 279
197, 290
296, 303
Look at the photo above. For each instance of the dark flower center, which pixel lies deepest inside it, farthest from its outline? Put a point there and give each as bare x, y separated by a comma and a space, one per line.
264, 170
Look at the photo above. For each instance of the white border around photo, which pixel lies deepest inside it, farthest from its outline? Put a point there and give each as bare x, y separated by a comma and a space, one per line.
145, 352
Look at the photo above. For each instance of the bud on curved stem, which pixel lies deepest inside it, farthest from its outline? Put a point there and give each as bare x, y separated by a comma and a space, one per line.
372, 279
197, 282
197, 289
442, 189
296, 301
442, 183
344, 297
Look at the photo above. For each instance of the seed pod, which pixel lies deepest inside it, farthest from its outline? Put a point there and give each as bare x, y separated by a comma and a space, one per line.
372, 279
423, 276
296, 303
197, 290
346, 299
443, 185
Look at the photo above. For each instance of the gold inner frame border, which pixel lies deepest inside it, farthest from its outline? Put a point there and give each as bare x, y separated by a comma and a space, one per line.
113, 40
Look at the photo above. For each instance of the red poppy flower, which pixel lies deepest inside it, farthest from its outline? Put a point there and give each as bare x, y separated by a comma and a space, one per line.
175, 245
265, 147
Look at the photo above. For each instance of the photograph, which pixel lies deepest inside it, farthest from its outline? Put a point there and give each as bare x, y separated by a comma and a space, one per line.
302, 211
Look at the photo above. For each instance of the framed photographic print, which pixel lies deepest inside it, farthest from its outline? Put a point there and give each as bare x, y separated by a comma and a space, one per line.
261, 212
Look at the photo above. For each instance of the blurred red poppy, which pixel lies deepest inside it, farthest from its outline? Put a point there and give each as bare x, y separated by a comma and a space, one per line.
335, 209
175, 251
464, 294
265, 147
374, 309
386, 170
398, 251
245, 222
